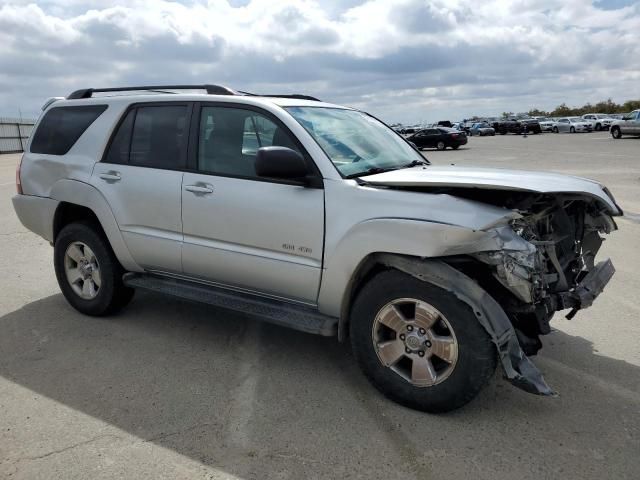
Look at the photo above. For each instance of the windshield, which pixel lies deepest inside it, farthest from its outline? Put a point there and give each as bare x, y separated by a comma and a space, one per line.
356, 143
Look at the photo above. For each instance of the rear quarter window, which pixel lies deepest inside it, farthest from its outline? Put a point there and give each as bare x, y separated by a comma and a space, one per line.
61, 127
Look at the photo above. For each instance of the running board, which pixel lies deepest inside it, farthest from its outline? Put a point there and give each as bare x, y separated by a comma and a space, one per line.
278, 312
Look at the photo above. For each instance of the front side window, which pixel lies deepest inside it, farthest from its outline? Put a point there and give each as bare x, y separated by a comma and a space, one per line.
356, 143
61, 127
230, 138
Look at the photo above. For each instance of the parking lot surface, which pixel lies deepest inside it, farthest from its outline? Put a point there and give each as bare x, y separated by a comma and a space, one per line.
170, 389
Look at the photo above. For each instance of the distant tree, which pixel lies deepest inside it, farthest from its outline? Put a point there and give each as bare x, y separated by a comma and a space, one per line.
507, 114
538, 113
562, 111
630, 105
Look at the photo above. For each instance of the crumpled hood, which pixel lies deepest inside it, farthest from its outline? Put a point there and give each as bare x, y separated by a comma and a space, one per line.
493, 179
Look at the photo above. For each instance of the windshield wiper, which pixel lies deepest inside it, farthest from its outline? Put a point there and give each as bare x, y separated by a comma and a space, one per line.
414, 163
372, 171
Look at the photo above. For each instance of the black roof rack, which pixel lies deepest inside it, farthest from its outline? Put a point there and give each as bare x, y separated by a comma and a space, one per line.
293, 95
210, 89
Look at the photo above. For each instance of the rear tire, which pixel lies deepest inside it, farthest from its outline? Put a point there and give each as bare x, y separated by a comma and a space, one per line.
471, 357
455, 147
88, 272
616, 132
572, 130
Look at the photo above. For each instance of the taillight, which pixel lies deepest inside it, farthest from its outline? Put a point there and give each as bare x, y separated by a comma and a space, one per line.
454, 135
18, 183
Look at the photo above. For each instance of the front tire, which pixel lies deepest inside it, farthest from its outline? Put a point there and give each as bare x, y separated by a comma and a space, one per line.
88, 272
555, 130
616, 133
572, 130
598, 127
419, 344
441, 146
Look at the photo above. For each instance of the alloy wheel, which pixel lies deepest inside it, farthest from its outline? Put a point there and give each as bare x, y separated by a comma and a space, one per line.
413, 339
82, 270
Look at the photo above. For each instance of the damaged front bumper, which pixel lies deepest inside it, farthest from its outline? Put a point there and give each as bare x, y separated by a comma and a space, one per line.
588, 289
518, 368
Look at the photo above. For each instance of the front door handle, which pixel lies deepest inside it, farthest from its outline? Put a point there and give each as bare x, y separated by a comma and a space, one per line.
198, 189
111, 176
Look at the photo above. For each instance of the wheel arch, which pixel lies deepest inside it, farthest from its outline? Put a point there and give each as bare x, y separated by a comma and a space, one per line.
81, 201
518, 369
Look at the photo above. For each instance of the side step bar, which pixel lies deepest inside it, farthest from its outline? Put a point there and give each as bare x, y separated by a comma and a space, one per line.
278, 312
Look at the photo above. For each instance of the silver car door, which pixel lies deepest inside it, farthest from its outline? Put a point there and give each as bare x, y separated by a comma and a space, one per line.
241, 230
140, 177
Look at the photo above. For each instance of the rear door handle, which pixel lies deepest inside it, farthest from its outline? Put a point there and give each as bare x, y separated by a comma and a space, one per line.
198, 189
111, 177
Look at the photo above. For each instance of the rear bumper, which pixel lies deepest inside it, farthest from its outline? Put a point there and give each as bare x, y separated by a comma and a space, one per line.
36, 214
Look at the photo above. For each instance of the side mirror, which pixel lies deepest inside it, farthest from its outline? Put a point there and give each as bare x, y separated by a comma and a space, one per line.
282, 163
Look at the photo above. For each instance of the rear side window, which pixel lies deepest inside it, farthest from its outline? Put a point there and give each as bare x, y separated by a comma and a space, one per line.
159, 137
119, 148
61, 127
151, 136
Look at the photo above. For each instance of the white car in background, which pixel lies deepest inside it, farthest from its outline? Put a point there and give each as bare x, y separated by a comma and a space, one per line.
599, 121
547, 124
572, 125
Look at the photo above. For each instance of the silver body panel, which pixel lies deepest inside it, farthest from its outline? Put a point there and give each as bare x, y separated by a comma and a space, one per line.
252, 234
147, 205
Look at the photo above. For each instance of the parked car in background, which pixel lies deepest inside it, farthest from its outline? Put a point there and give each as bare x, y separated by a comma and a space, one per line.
440, 138
547, 124
514, 125
628, 125
481, 129
572, 125
599, 121
530, 125
445, 123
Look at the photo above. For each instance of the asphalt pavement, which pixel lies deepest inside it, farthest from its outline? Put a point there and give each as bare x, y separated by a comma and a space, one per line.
171, 389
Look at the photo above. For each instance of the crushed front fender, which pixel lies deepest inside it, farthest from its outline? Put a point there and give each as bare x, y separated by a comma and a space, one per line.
517, 367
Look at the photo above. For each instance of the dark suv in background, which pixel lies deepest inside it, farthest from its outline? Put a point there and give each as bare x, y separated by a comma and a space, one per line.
514, 125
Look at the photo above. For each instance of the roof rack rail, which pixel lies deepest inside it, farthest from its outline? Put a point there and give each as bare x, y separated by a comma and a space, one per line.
210, 89
297, 96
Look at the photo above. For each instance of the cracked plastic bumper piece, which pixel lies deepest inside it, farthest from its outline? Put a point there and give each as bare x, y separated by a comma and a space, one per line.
518, 369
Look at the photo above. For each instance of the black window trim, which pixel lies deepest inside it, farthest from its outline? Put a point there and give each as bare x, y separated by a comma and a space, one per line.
193, 119
194, 145
104, 107
184, 152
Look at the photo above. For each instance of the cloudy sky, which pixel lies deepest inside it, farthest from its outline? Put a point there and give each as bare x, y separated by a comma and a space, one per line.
403, 60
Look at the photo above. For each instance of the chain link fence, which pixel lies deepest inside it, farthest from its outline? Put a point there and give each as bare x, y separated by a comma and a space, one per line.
14, 133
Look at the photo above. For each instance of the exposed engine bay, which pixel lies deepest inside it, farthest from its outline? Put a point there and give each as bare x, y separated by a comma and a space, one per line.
553, 267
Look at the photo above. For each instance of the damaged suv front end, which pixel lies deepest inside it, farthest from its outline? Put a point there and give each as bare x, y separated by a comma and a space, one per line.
539, 258
549, 263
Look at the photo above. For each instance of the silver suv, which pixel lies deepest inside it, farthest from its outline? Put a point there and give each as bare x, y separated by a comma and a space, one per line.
315, 217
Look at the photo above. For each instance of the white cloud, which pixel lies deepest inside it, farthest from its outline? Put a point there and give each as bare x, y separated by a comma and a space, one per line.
403, 59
